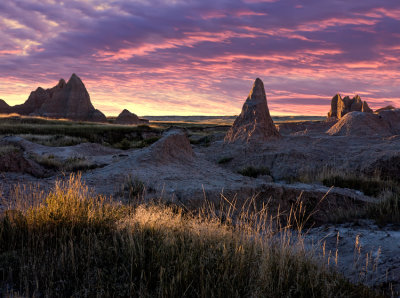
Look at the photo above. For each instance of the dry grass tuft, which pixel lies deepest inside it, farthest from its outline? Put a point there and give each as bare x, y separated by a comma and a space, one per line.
53, 140
6, 149
71, 164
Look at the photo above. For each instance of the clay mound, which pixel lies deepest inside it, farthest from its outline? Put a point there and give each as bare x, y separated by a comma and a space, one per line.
254, 122
126, 117
174, 146
360, 124
392, 118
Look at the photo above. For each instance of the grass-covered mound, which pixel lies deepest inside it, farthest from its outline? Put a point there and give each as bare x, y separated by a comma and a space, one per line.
72, 243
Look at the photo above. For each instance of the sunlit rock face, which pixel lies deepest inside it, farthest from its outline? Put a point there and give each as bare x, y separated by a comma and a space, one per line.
341, 106
65, 100
254, 122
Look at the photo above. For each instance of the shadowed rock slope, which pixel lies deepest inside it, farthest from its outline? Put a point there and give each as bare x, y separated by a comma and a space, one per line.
65, 100
254, 122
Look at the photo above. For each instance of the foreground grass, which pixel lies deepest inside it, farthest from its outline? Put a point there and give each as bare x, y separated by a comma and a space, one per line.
72, 243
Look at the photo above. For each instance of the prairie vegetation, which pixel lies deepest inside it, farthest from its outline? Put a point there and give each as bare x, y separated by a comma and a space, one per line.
34, 128
70, 242
6, 149
386, 190
71, 164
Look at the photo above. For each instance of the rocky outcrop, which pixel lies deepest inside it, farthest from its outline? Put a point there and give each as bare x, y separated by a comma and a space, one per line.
254, 122
174, 146
365, 108
341, 106
65, 100
360, 124
127, 118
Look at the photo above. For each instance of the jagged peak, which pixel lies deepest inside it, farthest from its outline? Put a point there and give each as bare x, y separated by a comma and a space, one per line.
257, 91
39, 89
74, 79
61, 83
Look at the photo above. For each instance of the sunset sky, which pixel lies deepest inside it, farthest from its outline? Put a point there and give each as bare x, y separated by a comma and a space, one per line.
200, 57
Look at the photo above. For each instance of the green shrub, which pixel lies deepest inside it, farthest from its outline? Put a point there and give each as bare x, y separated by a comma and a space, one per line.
369, 187
225, 160
125, 144
254, 172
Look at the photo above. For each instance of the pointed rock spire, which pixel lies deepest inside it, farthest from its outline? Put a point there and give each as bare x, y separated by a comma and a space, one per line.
365, 108
254, 122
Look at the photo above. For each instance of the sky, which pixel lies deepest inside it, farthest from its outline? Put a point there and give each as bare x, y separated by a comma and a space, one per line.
200, 57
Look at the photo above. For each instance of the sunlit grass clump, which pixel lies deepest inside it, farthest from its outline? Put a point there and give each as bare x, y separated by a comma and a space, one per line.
73, 243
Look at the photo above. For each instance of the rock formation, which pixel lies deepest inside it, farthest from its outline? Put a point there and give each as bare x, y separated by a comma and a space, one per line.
65, 100
365, 108
341, 106
254, 122
126, 117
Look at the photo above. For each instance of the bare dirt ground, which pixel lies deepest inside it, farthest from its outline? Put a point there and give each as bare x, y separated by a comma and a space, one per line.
176, 171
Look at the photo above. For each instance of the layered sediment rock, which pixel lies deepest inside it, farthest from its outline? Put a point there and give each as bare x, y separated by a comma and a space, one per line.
254, 122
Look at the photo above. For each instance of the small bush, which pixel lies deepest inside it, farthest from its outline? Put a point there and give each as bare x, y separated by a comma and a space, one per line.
71, 164
146, 142
125, 144
254, 172
53, 140
386, 211
133, 187
369, 187
204, 141
225, 160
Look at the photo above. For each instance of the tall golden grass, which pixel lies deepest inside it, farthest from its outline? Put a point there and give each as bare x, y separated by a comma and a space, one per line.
71, 242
